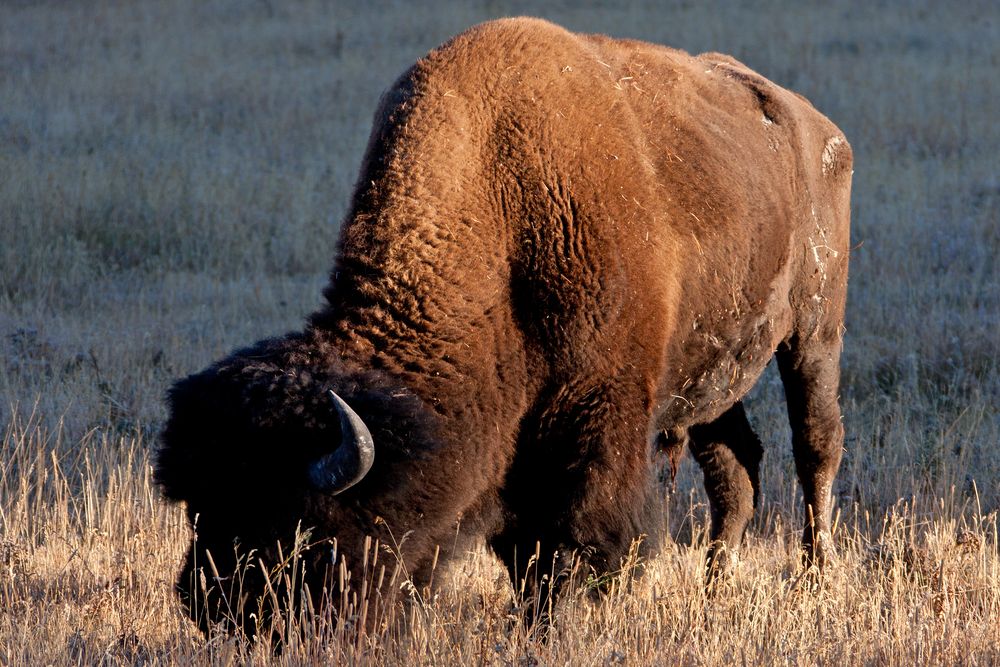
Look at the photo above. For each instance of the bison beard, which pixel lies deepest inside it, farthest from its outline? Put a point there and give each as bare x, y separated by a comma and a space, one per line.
564, 253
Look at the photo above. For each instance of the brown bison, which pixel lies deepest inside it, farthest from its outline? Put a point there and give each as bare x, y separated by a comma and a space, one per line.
563, 253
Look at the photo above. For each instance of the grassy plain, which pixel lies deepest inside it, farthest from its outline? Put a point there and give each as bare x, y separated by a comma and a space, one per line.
172, 175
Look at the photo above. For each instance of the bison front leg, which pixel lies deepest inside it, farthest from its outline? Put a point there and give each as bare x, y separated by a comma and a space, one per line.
810, 371
580, 491
729, 454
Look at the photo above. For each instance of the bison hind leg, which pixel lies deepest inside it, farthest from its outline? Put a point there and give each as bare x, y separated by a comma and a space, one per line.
810, 371
729, 454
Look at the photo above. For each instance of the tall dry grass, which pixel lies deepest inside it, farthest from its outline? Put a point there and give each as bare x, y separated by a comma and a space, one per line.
171, 179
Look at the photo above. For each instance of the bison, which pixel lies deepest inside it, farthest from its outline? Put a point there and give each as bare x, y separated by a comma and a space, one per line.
563, 253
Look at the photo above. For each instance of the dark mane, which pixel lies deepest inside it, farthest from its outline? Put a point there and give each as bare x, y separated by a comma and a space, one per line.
276, 391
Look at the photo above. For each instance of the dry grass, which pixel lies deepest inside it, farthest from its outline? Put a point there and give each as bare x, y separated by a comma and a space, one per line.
171, 177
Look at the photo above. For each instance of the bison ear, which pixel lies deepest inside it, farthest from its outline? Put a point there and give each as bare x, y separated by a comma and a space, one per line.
351, 460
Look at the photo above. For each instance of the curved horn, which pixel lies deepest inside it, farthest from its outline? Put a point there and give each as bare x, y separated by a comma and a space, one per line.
349, 463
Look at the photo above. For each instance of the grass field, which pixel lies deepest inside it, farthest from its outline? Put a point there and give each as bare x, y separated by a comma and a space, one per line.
172, 175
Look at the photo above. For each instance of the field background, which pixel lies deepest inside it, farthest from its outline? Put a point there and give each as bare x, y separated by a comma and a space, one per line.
172, 176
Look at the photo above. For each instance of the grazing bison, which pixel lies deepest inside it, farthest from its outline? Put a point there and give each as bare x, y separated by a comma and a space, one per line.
563, 253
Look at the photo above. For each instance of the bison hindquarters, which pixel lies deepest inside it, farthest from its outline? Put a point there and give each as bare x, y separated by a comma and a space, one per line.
729, 452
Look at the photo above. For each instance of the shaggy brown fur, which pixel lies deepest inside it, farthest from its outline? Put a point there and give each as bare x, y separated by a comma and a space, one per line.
559, 246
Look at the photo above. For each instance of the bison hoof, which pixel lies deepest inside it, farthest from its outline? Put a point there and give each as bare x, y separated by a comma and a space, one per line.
818, 552
818, 549
720, 565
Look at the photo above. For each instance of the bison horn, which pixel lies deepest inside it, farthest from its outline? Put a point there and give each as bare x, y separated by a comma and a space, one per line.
349, 463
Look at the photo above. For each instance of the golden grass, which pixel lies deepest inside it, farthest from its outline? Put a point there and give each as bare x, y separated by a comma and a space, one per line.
89, 553
171, 177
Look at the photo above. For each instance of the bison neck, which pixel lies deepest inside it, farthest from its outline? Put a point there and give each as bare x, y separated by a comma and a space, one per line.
420, 287
420, 292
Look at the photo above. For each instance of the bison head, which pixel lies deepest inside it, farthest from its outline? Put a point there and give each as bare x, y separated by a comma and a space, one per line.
270, 451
